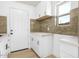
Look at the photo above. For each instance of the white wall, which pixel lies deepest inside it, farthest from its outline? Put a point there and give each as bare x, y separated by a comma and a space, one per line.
58, 37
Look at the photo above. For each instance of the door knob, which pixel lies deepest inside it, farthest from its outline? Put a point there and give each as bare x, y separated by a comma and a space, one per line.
11, 33
11, 30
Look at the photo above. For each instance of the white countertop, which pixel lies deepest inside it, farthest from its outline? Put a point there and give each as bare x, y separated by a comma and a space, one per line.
40, 34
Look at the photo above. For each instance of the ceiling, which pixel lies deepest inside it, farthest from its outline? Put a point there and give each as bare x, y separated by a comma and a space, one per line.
34, 3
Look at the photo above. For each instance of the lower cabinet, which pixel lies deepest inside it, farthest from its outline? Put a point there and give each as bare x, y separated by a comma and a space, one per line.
68, 50
3, 47
42, 45
65, 46
3, 52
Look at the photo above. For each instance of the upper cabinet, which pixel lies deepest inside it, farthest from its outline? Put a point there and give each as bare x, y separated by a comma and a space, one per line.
43, 10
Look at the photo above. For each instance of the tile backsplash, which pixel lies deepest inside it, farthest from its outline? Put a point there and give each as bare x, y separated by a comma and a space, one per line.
3, 24
72, 29
48, 25
34, 26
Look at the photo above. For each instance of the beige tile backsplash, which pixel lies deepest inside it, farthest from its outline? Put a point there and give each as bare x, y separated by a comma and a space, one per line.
48, 25
3, 24
34, 26
73, 28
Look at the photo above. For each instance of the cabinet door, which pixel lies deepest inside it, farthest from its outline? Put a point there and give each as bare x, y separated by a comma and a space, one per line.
34, 44
56, 46
43, 9
45, 46
3, 51
68, 49
48, 8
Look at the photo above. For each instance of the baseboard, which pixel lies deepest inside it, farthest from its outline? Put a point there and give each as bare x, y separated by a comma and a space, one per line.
18, 50
35, 53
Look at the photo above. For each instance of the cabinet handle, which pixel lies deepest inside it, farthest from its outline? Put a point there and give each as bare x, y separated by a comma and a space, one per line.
7, 46
37, 42
32, 39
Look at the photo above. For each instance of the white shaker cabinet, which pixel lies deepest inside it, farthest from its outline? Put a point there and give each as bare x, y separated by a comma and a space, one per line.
65, 46
48, 9
42, 44
3, 47
43, 9
68, 50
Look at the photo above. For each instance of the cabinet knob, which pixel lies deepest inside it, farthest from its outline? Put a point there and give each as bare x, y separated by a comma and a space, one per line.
32, 39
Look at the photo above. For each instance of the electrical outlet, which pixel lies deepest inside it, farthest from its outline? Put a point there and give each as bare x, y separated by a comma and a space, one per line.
48, 29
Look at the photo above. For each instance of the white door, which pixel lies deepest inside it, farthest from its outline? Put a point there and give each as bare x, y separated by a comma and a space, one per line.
18, 29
